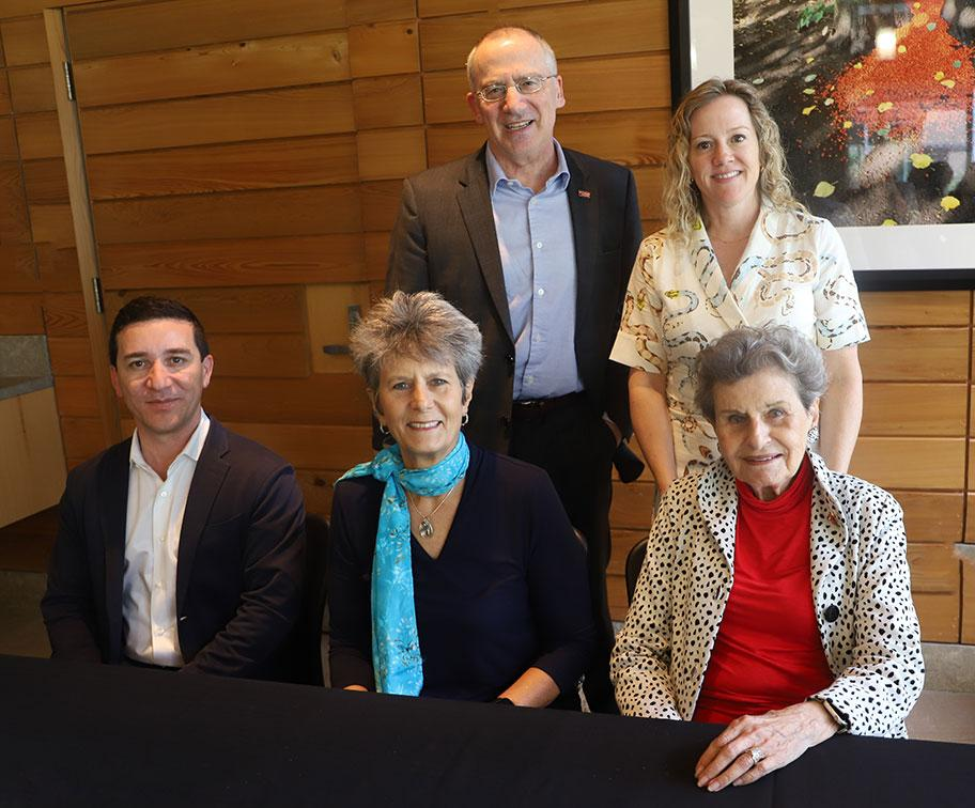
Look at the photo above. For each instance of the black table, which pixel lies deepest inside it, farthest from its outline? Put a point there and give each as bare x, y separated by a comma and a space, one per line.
104, 736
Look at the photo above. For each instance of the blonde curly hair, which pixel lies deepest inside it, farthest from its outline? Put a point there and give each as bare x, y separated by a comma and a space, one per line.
682, 200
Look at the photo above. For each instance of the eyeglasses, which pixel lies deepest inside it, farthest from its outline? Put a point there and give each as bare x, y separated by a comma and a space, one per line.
527, 85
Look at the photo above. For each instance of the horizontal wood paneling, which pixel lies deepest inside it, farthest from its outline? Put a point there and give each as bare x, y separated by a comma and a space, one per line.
387, 101
363, 11
24, 41
585, 29
334, 398
632, 505
8, 140
932, 517
23, 8
31, 88
914, 409
380, 204
46, 180
234, 67
20, 314
292, 112
82, 438
916, 354
115, 30
64, 315
19, 268
438, 8
52, 223
228, 309
318, 485
383, 49
70, 356
266, 356
5, 106
38, 135
58, 268
916, 308
390, 153
923, 463
623, 541
14, 221
225, 167
291, 212
650, 190
240, 262
77, 396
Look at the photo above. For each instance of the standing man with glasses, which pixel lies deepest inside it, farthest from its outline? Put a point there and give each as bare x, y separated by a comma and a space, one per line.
534, 243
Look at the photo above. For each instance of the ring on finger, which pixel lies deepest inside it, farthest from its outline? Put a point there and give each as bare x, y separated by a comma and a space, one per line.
757, 755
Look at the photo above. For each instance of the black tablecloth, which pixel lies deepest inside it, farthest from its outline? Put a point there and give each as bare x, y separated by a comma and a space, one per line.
103, 736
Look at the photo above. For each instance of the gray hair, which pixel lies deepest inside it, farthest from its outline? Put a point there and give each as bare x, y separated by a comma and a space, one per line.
553, 66
745, 351
421, 326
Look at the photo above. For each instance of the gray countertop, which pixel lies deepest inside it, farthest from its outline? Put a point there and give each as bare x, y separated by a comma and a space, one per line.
11, 386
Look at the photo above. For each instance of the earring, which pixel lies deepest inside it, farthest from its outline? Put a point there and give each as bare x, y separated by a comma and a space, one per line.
464, 419
383, 429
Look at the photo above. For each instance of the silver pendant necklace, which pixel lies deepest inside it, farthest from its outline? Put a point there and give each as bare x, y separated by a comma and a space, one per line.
426, 526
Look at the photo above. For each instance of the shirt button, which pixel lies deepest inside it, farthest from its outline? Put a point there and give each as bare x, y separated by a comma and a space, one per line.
541, 293
538, 244
159, 631
160, 538
164, 494
530, 379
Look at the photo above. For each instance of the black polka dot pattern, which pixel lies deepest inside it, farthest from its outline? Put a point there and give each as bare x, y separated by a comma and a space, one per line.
861, 591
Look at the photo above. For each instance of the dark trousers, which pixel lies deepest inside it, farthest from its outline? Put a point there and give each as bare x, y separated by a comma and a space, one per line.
573, 444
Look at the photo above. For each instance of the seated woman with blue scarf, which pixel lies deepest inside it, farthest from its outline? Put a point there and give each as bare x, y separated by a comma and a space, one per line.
453, 571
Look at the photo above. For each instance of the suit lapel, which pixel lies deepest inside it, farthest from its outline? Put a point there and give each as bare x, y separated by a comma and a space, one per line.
584, 210
113, 502
474, 199
211, 471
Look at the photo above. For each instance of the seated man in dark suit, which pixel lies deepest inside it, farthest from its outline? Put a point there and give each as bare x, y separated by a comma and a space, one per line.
183, 546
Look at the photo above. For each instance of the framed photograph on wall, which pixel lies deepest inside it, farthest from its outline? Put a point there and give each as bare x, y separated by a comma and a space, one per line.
875, 103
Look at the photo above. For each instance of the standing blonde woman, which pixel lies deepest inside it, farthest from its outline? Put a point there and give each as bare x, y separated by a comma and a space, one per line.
738, 250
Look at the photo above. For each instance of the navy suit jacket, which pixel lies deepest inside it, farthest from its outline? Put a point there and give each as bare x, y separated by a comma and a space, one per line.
239, 564
445, 240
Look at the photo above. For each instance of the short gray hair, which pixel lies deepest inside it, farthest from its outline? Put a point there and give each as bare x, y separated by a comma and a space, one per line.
553, 66
421, 326
746, 351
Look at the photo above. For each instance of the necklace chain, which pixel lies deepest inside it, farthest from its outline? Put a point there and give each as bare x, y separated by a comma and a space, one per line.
426, 526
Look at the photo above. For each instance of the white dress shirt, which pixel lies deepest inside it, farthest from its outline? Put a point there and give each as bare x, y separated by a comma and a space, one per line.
154, 519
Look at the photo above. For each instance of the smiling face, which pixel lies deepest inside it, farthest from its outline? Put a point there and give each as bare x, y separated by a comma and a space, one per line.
422, 403
519, 127
762, 429
160, 376
724, 155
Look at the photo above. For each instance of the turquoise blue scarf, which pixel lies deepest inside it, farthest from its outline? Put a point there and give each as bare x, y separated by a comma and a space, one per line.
396, 659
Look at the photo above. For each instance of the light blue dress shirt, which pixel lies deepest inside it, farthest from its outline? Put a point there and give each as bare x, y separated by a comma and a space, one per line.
539, 263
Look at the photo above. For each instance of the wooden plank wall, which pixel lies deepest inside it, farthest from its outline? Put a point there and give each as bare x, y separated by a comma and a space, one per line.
247, 158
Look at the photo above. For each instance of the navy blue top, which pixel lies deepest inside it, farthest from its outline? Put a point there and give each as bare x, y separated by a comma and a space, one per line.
508, 592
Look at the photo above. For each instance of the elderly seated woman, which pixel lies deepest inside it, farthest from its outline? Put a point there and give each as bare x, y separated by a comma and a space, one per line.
775, 596
453, 571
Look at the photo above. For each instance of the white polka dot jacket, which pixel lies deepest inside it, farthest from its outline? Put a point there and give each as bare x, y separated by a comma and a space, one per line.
861, 592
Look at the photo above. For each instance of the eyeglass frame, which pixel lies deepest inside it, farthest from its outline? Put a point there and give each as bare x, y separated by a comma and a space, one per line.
508, 85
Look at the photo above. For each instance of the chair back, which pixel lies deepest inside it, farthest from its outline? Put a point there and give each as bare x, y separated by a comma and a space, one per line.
634, 563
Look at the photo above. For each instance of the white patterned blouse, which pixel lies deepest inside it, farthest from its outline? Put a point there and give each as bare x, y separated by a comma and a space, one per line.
861, 595
794, 271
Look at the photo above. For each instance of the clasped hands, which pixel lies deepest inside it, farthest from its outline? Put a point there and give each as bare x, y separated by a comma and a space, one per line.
754, 745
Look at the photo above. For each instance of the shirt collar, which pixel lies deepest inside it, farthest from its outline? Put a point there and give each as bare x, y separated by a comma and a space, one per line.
559, 180
193, 448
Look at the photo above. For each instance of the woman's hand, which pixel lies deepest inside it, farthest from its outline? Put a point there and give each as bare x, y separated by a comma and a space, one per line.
754, 745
